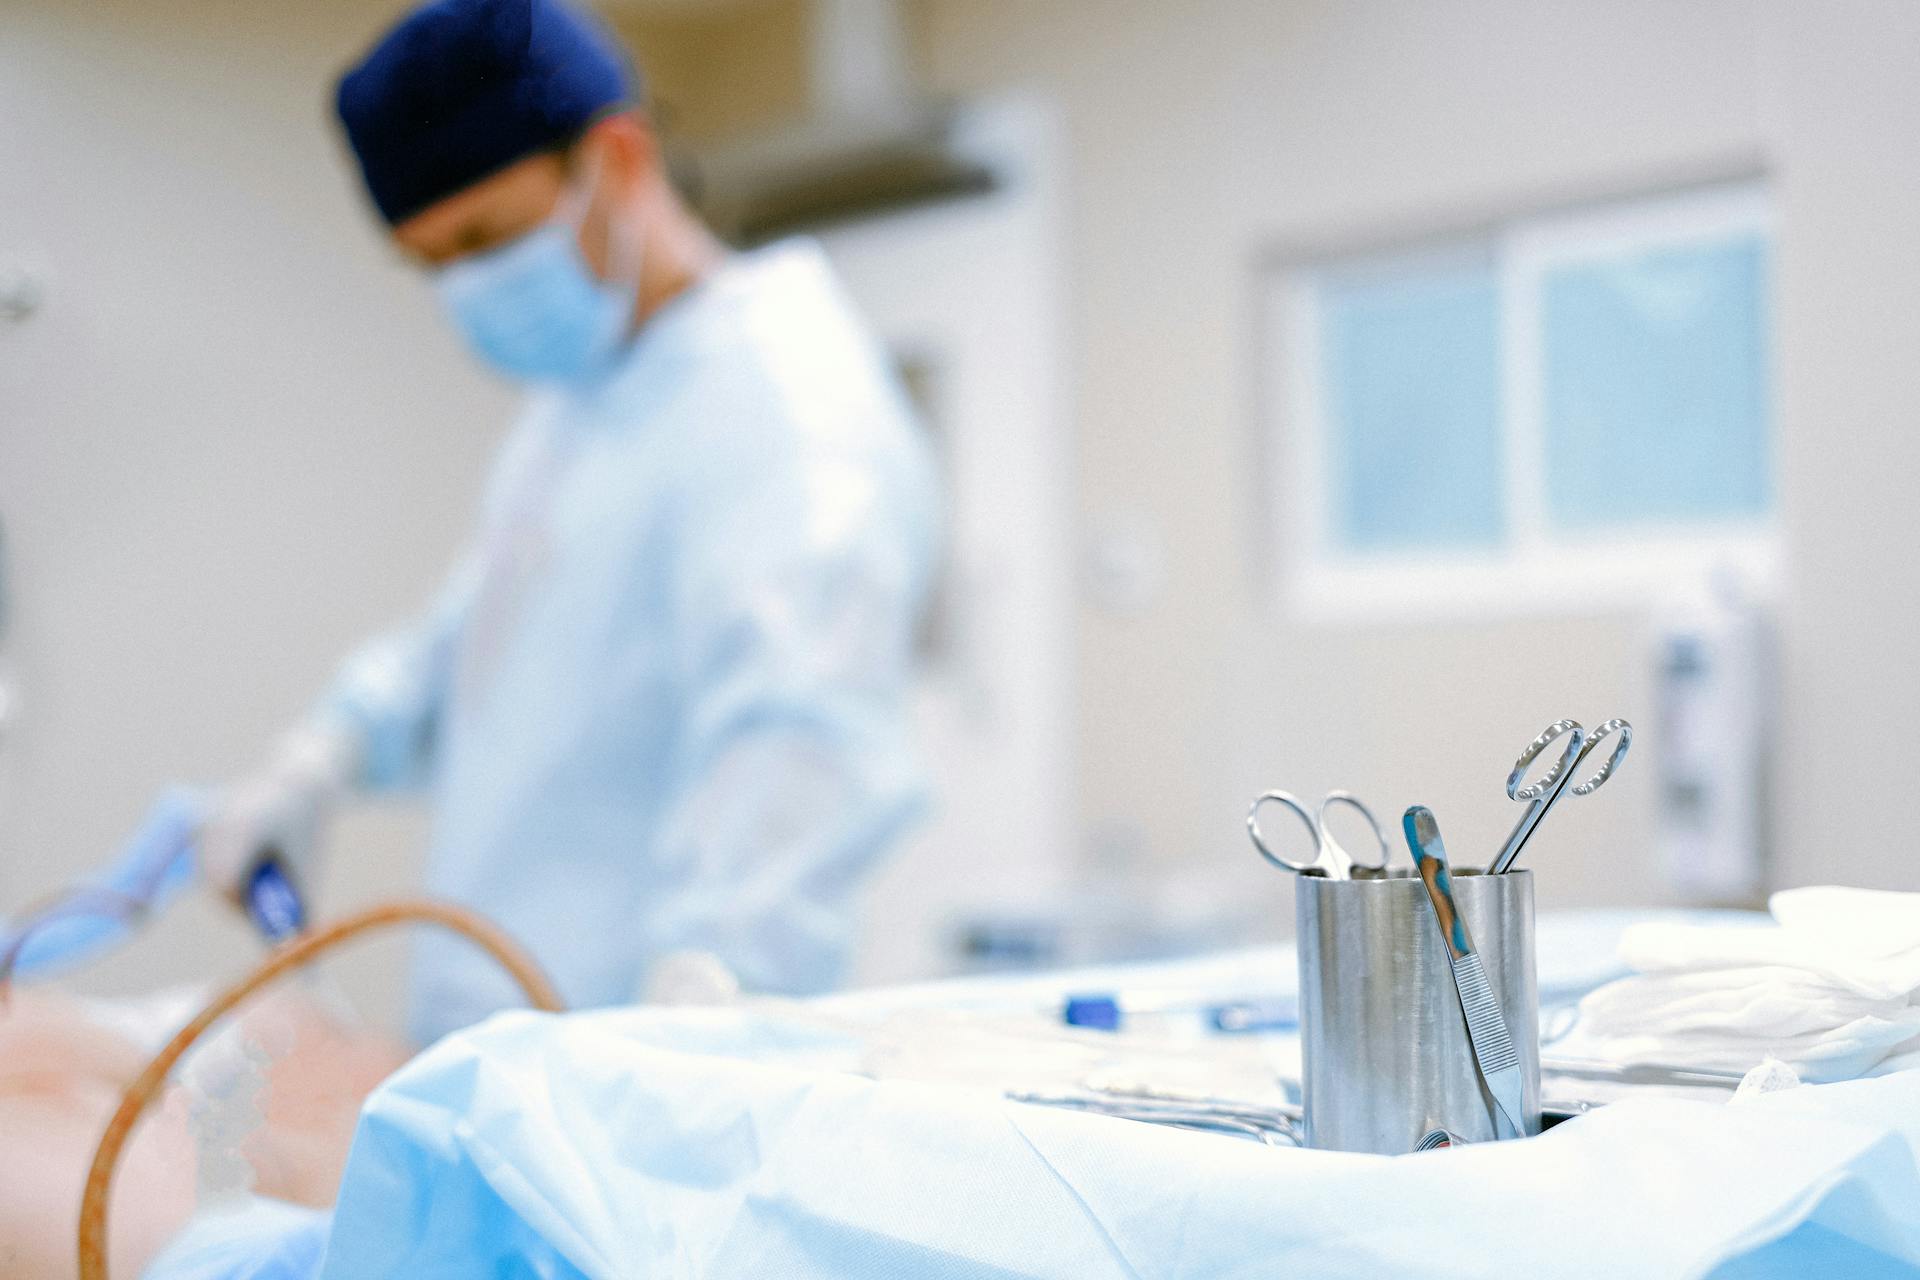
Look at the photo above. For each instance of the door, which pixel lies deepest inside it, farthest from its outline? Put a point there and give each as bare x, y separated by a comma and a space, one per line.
966, 294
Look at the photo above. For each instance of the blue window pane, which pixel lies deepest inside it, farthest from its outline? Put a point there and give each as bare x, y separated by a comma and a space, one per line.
1655, 387
1411, 378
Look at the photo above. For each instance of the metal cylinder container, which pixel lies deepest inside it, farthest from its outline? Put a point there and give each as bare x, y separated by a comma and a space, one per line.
1385, 1054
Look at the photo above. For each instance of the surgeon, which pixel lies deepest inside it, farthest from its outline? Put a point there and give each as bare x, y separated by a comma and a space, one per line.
660, 704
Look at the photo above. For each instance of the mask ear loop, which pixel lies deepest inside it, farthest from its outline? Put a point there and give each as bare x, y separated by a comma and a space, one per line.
624, 249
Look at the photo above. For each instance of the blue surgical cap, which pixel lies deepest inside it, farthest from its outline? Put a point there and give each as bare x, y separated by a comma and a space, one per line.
463, 88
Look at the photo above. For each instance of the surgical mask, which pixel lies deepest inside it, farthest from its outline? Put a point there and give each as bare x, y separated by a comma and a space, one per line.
534, 309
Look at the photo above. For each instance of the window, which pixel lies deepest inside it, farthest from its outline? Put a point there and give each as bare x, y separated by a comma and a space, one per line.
1562, 408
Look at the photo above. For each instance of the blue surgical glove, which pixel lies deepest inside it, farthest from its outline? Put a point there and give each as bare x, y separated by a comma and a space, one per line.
150, 868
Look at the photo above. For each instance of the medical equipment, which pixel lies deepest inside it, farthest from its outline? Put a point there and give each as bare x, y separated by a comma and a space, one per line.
1111, 1011
1330, 858
272, 903
1551, 1114
1578, 1086
535, 309
1275, 1126
1384, 1052
1493, 1049
1646, 1073
1541, 795
292, 955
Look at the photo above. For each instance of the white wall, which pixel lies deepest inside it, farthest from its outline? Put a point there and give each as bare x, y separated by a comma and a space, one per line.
234, 440
1204, 133
1843, 120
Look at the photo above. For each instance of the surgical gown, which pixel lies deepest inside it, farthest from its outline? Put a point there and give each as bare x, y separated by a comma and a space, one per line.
661, 705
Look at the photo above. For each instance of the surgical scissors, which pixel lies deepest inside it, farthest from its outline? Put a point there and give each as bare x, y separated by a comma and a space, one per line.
1330, 858
1540, 796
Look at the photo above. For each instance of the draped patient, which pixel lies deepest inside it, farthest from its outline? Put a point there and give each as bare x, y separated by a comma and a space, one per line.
62, 1074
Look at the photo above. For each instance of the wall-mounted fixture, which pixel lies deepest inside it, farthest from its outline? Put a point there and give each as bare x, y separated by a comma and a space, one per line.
22, 292
1718, 688
871, 141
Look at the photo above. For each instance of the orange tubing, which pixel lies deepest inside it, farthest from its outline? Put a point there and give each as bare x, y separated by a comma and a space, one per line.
290, 955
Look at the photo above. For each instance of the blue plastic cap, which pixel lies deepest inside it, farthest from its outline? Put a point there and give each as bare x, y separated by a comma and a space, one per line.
1099, 1013
273, 904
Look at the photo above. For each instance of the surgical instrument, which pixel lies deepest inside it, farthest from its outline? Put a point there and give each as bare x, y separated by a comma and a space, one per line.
1276, 1126
1330, 857
272, 903
1651, 1073
1540, 796
1493, 1051
1111, 1010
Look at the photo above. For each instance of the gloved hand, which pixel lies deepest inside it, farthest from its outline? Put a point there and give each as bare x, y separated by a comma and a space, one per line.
281, 809
689, 978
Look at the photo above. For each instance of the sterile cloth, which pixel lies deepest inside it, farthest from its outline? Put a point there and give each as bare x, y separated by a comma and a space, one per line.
251, 1238
1830, 988
722, 1144
743, 1142
746, 1142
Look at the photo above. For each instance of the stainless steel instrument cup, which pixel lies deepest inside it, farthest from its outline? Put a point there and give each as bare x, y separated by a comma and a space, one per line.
1385, 1054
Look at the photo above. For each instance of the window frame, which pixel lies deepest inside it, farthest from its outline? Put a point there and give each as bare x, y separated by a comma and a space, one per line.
1535, 569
